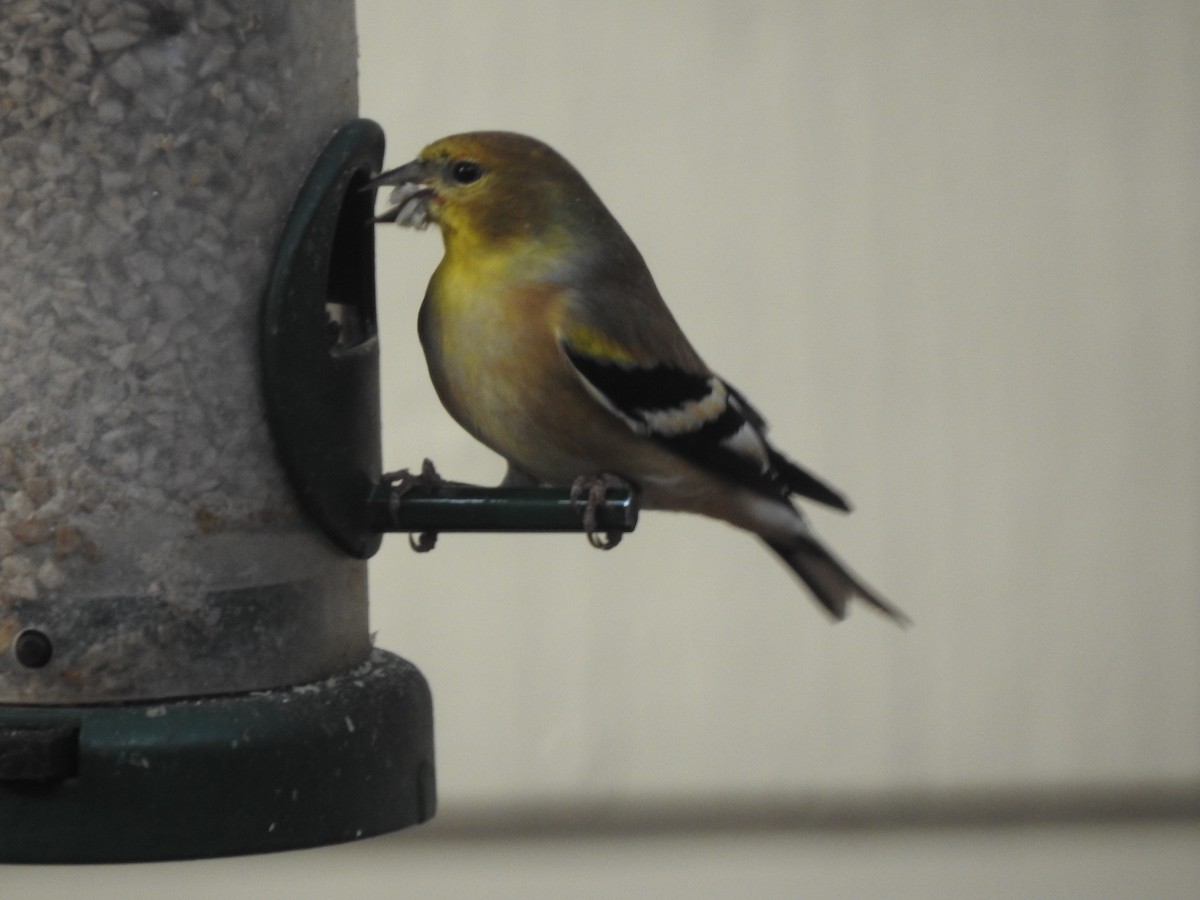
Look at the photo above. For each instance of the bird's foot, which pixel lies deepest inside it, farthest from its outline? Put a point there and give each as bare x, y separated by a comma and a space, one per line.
423, 542
588, 491
404, 481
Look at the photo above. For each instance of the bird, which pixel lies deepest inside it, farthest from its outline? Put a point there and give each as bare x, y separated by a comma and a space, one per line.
547, 339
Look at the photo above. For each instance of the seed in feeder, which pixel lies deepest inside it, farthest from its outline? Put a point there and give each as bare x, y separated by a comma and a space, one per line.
50, 576
115, 39
111, 112
127, 72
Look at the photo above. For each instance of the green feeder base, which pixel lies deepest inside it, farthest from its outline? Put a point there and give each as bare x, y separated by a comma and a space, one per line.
320, 763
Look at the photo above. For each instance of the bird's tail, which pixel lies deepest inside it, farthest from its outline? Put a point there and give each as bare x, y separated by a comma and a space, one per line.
831, 582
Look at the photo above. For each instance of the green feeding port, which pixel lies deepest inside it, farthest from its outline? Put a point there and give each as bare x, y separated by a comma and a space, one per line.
320, 350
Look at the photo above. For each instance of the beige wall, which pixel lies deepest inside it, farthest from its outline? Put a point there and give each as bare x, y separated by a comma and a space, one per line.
951, 251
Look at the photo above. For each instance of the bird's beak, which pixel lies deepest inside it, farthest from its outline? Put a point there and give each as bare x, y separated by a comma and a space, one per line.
417, 170
410, 197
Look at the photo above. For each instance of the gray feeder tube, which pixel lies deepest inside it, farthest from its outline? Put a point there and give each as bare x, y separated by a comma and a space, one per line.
150, 546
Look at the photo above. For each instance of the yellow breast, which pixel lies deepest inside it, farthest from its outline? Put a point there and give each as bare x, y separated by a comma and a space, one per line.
489, 340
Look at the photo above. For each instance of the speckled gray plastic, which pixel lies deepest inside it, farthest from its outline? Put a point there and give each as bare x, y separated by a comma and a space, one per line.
149, 153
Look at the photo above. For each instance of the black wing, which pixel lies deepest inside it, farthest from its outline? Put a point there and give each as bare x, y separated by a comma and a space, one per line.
701, 418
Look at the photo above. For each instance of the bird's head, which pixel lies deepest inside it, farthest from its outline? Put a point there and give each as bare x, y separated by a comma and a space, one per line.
491, 188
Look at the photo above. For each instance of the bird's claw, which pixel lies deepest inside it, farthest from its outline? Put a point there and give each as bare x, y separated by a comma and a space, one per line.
423, 542
589, 491
402, 482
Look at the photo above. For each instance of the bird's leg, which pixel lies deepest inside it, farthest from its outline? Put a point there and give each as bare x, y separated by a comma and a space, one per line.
589, 491
403, 482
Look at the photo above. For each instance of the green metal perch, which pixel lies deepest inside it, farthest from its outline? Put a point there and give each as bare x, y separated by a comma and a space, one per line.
452, 506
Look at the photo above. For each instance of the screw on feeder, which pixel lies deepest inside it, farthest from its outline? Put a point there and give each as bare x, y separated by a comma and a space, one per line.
33, 648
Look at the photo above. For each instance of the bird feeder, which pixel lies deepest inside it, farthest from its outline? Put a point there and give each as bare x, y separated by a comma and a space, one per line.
185, 665
190, 473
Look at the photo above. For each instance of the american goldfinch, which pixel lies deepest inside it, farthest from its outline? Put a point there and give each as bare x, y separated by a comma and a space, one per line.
547, 340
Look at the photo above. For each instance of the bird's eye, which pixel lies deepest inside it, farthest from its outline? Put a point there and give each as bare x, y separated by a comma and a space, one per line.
464, 171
